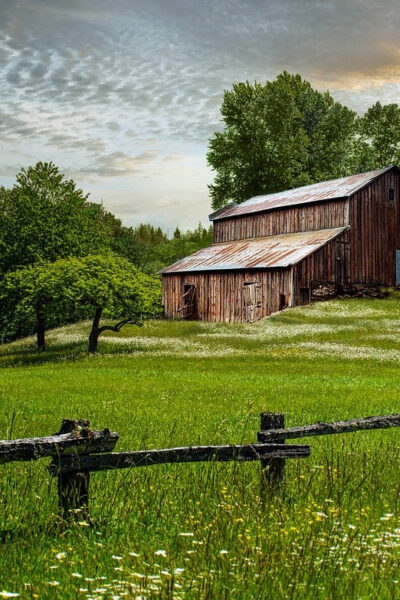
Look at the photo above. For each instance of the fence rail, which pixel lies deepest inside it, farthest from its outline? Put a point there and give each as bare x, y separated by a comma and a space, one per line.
77, 450
74, 437
321, 428
145, 458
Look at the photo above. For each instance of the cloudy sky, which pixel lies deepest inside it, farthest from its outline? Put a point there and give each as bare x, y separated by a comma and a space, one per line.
124, 94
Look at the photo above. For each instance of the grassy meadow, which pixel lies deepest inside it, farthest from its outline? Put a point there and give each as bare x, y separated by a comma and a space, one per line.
203, 531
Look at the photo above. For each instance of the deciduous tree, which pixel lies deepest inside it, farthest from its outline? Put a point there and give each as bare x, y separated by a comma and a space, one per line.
379, 141
277, 136
93, 287
45, 217
111, 287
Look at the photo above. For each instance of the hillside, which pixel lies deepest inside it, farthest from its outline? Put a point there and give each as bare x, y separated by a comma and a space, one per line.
175, 383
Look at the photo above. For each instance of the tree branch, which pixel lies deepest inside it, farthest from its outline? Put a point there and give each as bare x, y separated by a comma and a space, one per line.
116, 328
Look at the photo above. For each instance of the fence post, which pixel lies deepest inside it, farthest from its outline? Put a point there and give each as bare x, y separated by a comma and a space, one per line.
73, 488
73, 494
272, 469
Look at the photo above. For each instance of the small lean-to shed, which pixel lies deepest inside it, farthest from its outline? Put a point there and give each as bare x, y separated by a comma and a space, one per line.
269, 251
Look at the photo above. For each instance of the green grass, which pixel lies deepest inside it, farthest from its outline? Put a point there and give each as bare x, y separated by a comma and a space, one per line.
334, 534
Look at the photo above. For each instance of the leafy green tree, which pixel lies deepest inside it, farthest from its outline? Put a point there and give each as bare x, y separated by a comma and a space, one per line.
379, 139
149, 240
148, 235
90, 287
45, 217
277, 136
32, 299
110, 286
122, 239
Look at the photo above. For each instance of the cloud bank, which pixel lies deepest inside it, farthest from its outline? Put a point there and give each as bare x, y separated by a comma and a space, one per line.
124, 95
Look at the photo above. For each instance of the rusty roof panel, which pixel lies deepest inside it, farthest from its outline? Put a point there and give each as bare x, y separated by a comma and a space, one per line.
271, 252
326, 190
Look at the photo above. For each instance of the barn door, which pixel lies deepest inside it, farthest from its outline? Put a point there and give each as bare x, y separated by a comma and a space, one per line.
188, 307
397, 267
342, 250
252, 301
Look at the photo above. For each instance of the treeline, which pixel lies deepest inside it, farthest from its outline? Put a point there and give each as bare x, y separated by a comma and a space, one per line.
64, 258
150, 248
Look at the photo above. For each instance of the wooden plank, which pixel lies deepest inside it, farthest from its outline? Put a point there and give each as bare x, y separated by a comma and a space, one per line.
78, 440
144, 458
321, 428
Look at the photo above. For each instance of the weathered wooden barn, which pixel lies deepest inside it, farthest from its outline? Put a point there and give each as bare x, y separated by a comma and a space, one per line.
270, 251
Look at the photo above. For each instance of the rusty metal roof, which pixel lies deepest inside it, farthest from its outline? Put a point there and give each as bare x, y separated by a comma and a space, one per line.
316, 192
275, 251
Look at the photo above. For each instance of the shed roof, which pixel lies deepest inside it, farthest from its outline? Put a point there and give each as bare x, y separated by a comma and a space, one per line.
325, 190
275, 251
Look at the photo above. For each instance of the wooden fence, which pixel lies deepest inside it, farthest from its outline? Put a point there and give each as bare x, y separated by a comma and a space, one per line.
77, 450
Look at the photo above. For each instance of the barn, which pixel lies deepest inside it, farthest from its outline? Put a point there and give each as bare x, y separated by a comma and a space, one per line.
271, 251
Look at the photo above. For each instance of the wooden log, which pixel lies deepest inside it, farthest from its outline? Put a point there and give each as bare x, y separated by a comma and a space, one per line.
73, 487
143, 458
74, 437
321, 428
273, 469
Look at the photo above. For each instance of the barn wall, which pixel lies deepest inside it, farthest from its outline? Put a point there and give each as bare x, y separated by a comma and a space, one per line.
375, 232
219, 295
322, 215
328, 264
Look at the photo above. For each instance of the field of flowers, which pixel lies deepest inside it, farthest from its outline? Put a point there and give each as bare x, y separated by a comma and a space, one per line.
204, 531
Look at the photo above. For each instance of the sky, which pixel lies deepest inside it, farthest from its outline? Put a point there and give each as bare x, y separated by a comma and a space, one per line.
123, 95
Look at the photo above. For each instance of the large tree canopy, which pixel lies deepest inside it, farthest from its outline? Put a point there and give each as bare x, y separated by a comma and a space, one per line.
93, 287
45, 217
33, 299
110, 286
286, 133
379, 141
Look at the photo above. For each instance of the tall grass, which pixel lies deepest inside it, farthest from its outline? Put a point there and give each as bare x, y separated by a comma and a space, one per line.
203, 531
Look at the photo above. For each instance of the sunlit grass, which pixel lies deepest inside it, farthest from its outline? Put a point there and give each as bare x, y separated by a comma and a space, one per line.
205, 531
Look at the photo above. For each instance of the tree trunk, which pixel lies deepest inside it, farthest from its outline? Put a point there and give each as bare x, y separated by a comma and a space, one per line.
40, 328
94, 334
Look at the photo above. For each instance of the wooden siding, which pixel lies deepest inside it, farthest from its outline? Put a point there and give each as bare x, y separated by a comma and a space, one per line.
375, 232
321, 215
329, 264
220, 296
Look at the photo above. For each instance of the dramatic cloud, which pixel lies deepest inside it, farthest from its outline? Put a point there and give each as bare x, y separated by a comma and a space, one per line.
110, 90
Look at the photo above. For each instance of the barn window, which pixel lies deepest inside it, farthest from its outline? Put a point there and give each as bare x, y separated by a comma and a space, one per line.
391, 195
